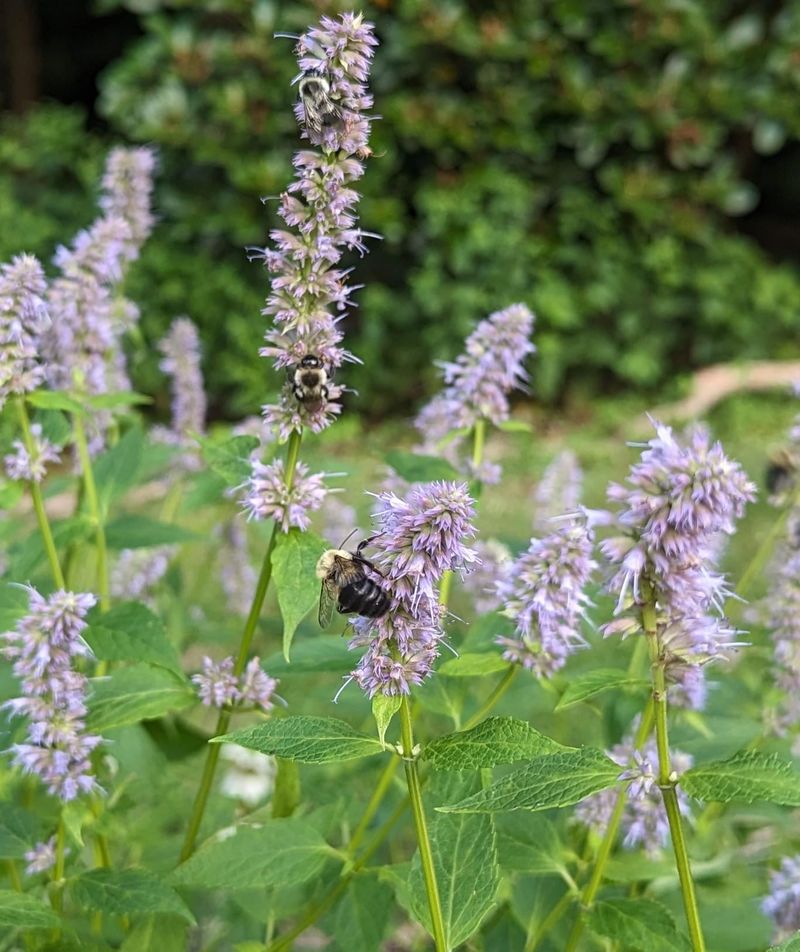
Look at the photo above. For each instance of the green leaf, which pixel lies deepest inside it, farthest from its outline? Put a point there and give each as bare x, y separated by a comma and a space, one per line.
294, 562
157, 934
749, 777
111, 401
11, 491
558, 780
637, 925
312, 656
23, 911
529, 844
465, 863
384, 708
27, 556
54, 400
14, 603
135, 694
127, 892
515, 426
131, 632
230, 459
362, 916
474, 665
116, 470
792, 944
596, 682
311, 740
279, 853
19, 830
497, 740
415, 468
139, 532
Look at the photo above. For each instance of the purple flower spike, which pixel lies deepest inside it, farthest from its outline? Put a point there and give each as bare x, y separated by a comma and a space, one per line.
31, 467
418, 538
543, 593
181, 361
680, 499
44, 648
23, 320
218, 686
268, 496
559, 490
478, 384
782, 904
310, 294
644, 822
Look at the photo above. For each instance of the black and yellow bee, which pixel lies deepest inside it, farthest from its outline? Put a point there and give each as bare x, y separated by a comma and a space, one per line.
346, 583
319, 107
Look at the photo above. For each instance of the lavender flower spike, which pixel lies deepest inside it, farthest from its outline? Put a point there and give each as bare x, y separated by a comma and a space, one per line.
218, 686
310, 293
31, 467
782, 904
23, 319
44, 647
679, 499
419, 537
644, 822
127, 190
181, 350
544, 595
269, 497
559, 490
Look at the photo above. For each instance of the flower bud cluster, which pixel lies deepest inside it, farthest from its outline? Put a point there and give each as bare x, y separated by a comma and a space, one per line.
218, 686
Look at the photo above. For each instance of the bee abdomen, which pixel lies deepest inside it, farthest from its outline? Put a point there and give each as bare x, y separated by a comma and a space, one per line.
363, 597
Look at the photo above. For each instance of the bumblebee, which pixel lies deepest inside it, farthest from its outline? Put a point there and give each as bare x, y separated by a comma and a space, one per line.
314, 92
781, 473
347, 584
309, 381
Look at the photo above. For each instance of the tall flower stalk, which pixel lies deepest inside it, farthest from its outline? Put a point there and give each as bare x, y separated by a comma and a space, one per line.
678, 500
308, 299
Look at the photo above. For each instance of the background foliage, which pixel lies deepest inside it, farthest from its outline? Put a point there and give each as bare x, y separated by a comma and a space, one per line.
589, 159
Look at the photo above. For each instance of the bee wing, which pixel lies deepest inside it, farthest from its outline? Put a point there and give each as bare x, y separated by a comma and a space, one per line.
328, 594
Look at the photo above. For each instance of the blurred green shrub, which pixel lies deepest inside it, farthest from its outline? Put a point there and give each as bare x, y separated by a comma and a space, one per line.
586, 158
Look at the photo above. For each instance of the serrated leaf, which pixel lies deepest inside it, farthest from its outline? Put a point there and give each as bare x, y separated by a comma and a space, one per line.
748, 777
529, 844
117, 469
596, 682
384, 708
362, 916
467, 875
474, 665
497, 740
557, 780
311, 740
127, 892
416, 468
23, 911
294, 561
131, 632
279, 853
139, 532
135, 694
637, 925
792, 944
54, 400
314, 655
230, 459
19, 830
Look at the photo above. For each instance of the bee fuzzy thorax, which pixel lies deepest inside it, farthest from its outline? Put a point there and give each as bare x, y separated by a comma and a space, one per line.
327, 561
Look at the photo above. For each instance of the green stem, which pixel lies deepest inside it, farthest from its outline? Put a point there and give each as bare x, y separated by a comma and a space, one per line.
250, 625
610, 836
666, 779
478, 442
445, 587
58, 869
550, 920
38, 501
425, 854
500, 689
376, 799
96, 513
